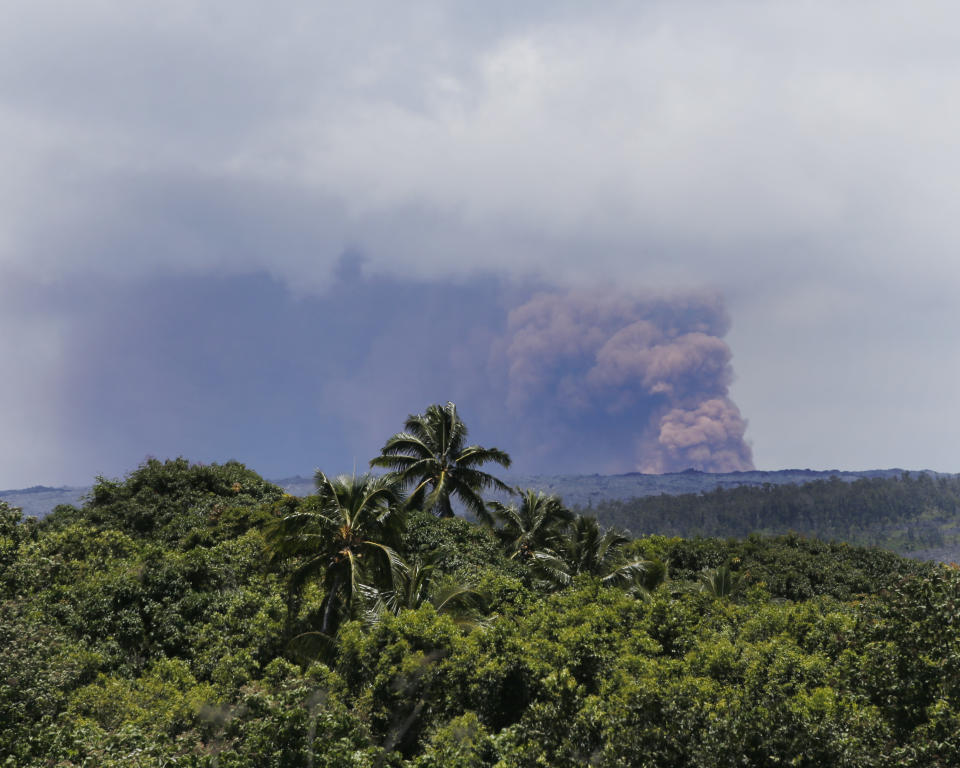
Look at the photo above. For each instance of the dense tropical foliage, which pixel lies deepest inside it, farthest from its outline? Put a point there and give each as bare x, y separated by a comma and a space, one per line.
166, 622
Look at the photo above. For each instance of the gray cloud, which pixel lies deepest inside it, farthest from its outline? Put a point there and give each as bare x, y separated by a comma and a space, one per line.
684, 139
800, 159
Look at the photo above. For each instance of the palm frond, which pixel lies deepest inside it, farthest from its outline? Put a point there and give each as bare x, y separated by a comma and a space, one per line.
721, 582
551, 570
403, 445
628, 575
307, 646
475, 455
395, 566
461, 602
468, 496
482, 481
415, 585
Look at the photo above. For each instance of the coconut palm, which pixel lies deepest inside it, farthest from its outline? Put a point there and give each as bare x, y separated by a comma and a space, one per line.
432, 456
534, 525
722, 582
420, 583
587, 548
345, 534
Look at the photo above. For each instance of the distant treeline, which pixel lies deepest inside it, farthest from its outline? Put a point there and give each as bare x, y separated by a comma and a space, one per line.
908, 513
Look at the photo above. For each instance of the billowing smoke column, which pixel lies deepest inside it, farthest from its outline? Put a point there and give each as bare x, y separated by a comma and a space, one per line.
636, 383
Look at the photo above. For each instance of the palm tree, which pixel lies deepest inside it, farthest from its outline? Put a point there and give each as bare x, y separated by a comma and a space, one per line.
418, 584
431, 455
536, 524
722, 582
345, 534
587, 548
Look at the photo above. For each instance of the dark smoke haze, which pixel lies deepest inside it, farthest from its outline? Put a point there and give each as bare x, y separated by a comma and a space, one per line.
167, 243
214, 368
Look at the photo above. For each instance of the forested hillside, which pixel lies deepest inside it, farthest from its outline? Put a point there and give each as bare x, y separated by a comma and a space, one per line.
193, 615
575, 490
913, 514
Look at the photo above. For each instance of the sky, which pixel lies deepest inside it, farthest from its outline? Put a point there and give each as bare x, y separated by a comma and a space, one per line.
620, 236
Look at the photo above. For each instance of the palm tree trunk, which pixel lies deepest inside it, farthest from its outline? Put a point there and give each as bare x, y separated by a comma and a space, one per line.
328, 609
444, 507
293, 610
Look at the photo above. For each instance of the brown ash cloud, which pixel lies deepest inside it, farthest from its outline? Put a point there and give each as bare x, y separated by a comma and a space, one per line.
640, 383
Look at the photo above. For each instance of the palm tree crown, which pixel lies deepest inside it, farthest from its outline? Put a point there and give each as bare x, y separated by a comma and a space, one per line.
722, 582
432, 455
420, 583
589, 549
346, 533
538, 523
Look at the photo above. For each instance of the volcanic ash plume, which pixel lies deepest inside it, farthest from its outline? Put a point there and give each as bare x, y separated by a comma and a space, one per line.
642, 382
708, 437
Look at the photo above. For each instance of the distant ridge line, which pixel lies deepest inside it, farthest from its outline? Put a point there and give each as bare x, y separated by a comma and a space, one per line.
44, 489
575, 489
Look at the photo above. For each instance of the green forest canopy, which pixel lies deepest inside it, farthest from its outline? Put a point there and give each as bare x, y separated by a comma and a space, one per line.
170, 620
